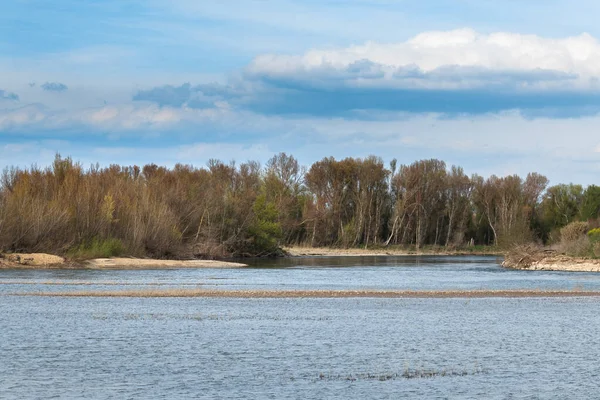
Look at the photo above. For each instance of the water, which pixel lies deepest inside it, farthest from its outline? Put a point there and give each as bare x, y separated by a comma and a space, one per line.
181, 348
334, 273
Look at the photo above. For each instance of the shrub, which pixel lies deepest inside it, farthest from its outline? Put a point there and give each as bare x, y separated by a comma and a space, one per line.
98, 248
573, 231
574, 241
580, 247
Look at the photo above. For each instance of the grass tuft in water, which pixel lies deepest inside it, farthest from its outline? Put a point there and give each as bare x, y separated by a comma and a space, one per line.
408, 373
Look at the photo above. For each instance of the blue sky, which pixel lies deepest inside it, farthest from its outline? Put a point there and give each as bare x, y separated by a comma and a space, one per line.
498, 87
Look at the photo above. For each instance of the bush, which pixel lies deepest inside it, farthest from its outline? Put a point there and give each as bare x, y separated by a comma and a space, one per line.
573, 231
580, 247
574, 241
98, 248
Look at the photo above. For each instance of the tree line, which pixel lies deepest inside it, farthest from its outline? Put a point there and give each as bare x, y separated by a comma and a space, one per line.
226, 209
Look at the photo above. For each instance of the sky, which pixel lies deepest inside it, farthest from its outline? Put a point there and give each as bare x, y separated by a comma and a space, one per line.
497, 87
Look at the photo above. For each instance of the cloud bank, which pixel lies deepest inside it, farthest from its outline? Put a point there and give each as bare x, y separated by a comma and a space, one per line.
459, 59
455, 72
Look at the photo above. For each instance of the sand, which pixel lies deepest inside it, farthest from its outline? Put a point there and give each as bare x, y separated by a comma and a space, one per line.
30, 260
42, 261
322, 293
564, 263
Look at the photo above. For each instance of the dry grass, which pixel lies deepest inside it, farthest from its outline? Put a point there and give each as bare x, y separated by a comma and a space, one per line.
320, 293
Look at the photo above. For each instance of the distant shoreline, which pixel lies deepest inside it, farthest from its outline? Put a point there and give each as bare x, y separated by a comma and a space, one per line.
49, 261
147, 263
298, 251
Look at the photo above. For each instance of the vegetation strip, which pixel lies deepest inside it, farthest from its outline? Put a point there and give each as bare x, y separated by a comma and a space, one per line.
320, 293
238, 210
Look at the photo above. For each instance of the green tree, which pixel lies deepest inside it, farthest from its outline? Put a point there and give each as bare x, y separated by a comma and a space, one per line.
590, 204
264, 232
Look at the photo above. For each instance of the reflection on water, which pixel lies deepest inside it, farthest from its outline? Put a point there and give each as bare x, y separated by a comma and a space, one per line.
346, 348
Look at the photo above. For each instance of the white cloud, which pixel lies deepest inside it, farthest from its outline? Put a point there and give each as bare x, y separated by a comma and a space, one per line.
452, 59
124, 117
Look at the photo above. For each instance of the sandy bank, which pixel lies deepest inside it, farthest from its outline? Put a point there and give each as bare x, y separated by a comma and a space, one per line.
534, 258
562, 263
31, 260
42, 261
332, 252
141, 263
321, 293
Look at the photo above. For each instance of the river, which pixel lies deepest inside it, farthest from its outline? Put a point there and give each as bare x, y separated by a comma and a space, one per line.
346, 348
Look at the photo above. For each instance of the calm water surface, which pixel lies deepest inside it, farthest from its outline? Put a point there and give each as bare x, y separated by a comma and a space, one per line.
176, 348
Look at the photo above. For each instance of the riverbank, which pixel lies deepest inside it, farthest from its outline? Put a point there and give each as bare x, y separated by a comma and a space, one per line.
32, 261
298, 251
539, 259
559, 263
49, 261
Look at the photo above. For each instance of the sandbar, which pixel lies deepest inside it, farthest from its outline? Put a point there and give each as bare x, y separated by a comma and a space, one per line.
409, 294
47, 261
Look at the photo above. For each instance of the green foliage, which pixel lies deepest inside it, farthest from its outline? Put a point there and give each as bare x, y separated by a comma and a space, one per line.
590, 206
594, 235
348, 234
97, 248
264, 233
478, 249
561, 205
